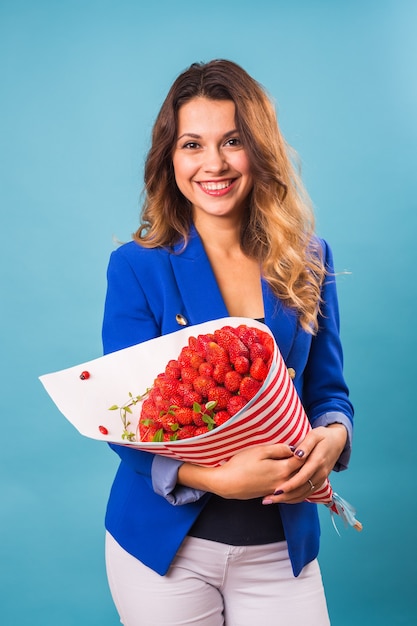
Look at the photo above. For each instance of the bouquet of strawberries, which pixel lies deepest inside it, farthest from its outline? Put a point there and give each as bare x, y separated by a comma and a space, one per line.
213, 378
225, 387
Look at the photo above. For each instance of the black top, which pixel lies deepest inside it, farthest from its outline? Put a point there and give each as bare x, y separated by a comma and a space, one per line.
239, 522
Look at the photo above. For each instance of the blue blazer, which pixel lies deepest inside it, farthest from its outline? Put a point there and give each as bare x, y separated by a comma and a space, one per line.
147, 288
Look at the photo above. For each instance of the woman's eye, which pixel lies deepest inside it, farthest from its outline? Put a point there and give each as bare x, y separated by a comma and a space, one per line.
233, 141
191, 145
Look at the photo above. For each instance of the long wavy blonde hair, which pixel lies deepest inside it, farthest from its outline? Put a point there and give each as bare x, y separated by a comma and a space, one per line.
278, 229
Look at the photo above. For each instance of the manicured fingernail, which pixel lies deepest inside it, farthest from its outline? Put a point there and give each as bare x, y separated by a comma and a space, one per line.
278, 492
292, 448
267, 501
299, 453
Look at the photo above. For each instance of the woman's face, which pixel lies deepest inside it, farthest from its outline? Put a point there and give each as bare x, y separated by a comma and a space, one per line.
211, 166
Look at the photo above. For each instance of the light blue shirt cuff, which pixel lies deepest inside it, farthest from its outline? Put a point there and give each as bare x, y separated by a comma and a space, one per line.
334, 417
164, 482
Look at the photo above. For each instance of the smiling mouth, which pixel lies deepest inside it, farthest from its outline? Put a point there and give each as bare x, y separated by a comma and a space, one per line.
218, 187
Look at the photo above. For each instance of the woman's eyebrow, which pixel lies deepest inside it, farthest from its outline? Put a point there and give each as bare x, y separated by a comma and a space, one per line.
195, 136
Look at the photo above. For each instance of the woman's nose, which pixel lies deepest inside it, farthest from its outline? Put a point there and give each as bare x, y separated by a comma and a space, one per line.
214, 160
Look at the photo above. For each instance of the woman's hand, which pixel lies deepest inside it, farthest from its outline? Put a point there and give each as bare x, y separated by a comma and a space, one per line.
316, 455
251, 473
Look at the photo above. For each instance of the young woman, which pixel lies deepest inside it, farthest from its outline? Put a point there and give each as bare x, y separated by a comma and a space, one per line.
226, 230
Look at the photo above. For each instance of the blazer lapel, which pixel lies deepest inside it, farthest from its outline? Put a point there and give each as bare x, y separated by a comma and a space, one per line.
196, 282
203, 301
280, 319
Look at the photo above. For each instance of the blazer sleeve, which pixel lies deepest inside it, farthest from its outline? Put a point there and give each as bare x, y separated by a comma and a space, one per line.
325, 393
128, 320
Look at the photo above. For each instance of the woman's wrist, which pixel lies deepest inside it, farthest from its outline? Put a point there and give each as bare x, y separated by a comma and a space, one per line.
198, 477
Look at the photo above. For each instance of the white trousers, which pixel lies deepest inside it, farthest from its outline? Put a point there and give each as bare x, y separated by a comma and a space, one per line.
213, 584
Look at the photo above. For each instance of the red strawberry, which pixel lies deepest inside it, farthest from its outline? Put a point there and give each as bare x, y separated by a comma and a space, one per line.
186, 431
205, 369
242, 364
219, 372
188, 374
168, 386
259, 350
184, 415
235, 404
231, 342
221, 417
215, 354
259, 369
149, 410
168, 436
198, 418
267, 341
161, 403
184, 388
169, 422
232, 380
190, 397
192, 342
201, 430
247, 334
201, 343
176, 400
173, 369
159, 380
202, 384
148, 432
196, 360
249, 387
220, 395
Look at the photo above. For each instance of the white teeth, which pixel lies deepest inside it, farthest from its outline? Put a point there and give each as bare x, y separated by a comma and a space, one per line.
215, 186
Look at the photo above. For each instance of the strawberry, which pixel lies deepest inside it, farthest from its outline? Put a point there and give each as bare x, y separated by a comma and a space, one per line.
219, 372
168, 386
249, 387
205, 369
259, 350
219, 395
173, 369
201, 430
161, 403
184, 388
149, 410
259, 369
235, 404
201, 343
202, 384
221, 417
184, 415
190, 397
175, 400
216, 354
185, 356
247, 334
242, 364
185, 432
231, 342
148, 432
188, 374
192, 342
232, 380
169, 421
198, 418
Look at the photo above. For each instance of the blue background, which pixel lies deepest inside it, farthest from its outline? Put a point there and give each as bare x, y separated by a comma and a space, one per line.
81, 83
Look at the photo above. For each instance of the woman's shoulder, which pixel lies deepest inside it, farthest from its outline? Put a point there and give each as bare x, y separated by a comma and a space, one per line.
133, 253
